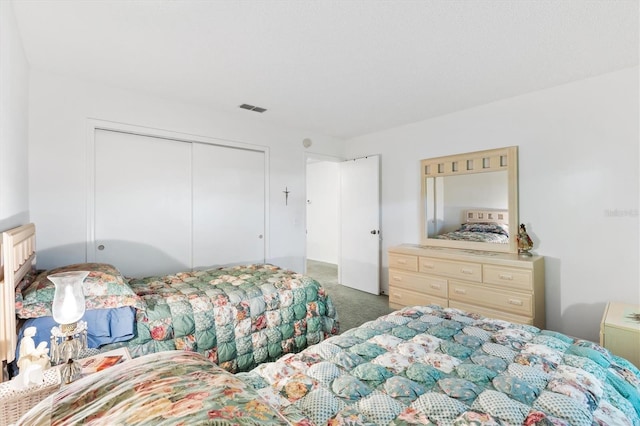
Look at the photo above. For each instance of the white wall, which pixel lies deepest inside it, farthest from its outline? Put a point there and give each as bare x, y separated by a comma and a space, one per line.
323, 194
578, 184
14, 93
59, 109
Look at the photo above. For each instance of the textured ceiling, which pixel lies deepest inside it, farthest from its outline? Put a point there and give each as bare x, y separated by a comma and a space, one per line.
341, 68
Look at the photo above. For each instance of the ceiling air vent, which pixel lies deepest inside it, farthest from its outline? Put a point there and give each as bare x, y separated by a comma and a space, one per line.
252, 108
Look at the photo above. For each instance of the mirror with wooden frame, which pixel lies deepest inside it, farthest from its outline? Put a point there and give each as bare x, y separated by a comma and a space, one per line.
470, 200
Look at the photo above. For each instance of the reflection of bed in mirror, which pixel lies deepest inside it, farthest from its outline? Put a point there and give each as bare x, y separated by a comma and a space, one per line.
484, 226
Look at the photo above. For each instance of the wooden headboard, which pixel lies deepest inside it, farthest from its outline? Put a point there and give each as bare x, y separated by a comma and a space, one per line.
488, 216
18, 258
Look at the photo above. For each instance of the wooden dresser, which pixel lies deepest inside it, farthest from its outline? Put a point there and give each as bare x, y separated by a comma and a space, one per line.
498, 285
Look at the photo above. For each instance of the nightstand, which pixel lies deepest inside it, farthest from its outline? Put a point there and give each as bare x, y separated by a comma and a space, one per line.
619, 332
15, 402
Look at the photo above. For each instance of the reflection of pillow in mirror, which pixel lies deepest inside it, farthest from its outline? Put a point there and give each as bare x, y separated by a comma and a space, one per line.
494, 228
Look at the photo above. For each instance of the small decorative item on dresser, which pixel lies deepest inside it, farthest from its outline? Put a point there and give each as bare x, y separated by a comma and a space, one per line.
524, 241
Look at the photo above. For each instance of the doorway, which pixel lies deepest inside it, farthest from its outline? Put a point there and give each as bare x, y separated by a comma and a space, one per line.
342, 213
322, 217
323, 197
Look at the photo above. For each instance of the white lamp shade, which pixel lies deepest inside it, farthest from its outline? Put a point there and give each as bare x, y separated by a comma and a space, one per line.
68, 299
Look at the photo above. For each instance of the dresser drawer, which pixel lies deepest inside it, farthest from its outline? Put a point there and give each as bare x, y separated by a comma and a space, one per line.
449, 268
511, 278
417, 282
403, 261
517, 303
399, 297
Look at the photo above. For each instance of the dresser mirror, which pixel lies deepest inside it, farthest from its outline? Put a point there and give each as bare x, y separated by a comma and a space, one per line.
470, 201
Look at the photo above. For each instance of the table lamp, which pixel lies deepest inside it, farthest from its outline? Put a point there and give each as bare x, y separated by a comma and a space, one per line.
70, 338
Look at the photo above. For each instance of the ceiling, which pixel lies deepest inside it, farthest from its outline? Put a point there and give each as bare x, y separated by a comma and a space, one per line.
336, 67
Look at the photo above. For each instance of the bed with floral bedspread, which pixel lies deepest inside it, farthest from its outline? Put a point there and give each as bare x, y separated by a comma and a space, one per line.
416, 366
236, 316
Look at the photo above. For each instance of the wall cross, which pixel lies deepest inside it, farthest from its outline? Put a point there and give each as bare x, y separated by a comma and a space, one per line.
286, 196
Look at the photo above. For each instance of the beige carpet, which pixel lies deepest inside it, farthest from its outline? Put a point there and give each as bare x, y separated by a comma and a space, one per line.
354, 307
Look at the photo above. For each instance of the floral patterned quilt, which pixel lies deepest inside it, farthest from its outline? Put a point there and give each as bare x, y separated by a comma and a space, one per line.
167, 388
480, 237
237, 316
429, 365
478, 232
416, 366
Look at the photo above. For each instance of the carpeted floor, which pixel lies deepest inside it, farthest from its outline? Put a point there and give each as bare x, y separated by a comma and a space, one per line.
354, 307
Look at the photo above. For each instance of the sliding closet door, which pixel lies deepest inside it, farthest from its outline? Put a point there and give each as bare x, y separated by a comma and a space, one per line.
142, 222
228, 205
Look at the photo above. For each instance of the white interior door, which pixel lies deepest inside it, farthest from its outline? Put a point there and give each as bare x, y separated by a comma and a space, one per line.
142, 211
360, 224
228, 205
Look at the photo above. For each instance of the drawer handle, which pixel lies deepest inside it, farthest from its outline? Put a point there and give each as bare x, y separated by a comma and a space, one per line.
397, 278
402, 261
397, 295
460, 291
516, 302
466, 271
428, 265
506, 277
436, 286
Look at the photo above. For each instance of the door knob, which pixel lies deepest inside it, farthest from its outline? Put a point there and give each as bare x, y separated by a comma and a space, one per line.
375, 231
100, 247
